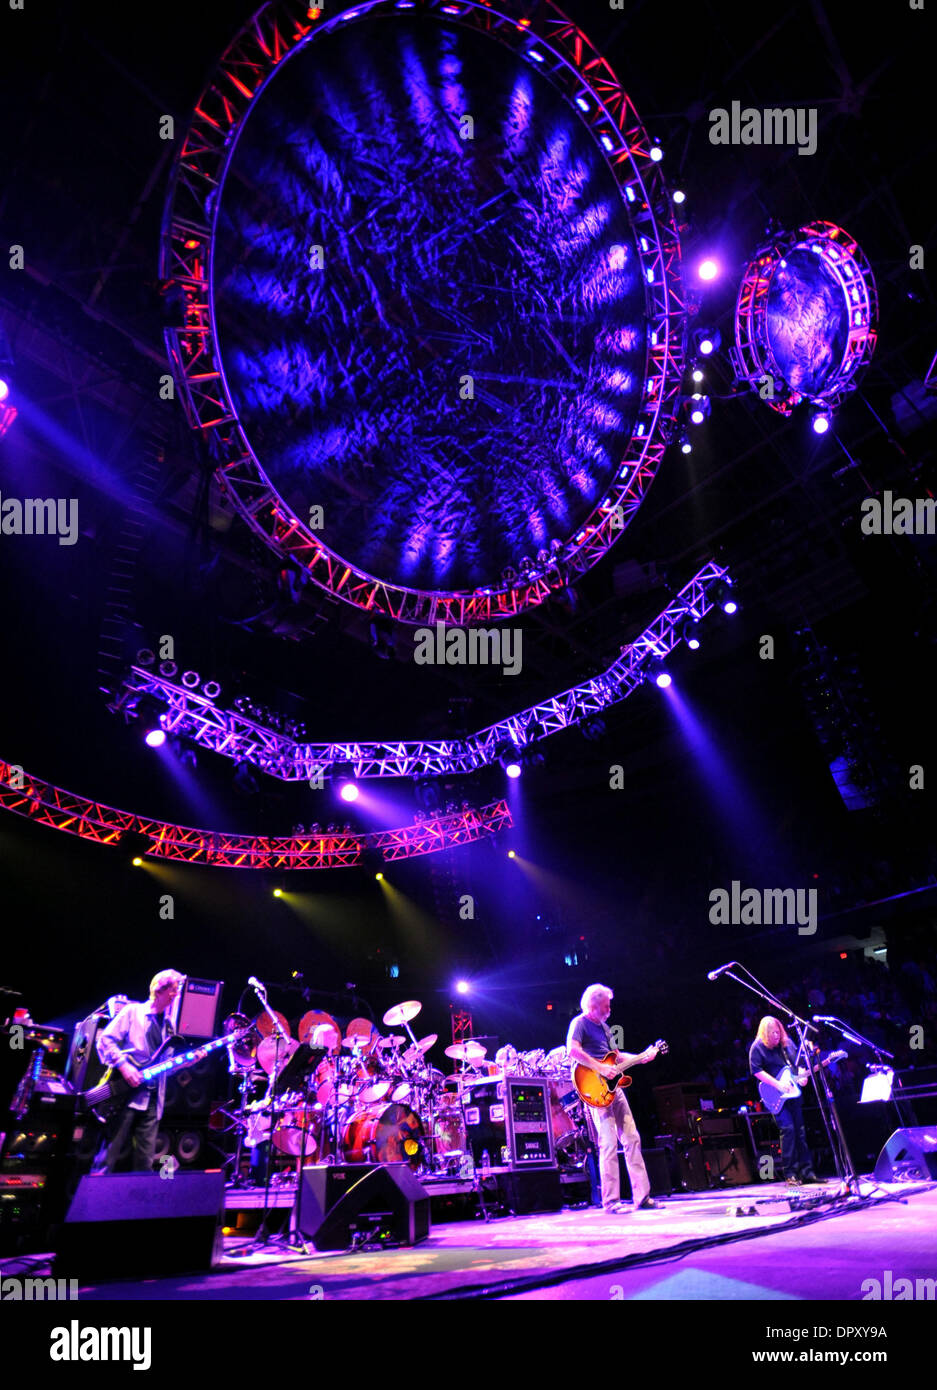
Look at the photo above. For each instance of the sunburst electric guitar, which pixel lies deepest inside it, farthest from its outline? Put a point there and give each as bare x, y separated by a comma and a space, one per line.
599, 1091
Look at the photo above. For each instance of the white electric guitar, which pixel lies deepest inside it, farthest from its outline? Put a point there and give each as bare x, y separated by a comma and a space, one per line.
774, 1099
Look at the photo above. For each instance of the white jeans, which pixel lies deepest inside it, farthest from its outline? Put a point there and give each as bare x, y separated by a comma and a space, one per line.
617, 1122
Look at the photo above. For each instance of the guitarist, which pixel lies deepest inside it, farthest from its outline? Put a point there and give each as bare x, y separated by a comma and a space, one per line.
127, 1044
769, 1054
589, 1039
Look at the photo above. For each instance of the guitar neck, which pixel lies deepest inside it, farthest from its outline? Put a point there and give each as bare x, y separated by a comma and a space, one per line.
185, 1059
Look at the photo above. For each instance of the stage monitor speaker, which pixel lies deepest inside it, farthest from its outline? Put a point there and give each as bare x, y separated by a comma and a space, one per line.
139, 1225
385, 1205
909, 1155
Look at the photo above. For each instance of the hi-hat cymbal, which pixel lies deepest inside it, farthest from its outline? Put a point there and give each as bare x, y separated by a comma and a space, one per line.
394, 1040
467, 1051
402, 1013
310, 1021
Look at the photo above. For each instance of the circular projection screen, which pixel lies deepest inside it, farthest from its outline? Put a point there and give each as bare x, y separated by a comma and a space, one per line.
439, 312
806, 317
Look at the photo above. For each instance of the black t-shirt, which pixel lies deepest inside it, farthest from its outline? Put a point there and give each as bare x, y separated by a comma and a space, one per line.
773, 1060
594, 1038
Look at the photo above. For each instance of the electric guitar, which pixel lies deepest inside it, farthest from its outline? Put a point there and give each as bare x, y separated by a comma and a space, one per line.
773, 1099
113, 1090
599, 1091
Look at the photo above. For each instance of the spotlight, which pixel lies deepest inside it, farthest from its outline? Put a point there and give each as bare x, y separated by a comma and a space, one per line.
462, 987
685, 446
137, 862
707, 341
730, 606
656, 152
722, 594
379, 877
4, 389
211, 690
679, 196
512, 854
155, 738
168, 669
190, 679
689, 633
820, 422
278, 892
659, 676
697, 376
706, 346
145, 657
513, 769
698, 413
349, 792
708, 269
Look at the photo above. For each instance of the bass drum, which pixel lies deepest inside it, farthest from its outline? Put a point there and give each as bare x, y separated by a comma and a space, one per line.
383, 1134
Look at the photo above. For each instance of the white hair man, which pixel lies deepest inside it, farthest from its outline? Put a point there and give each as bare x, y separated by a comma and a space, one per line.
127, 1044
589, 1042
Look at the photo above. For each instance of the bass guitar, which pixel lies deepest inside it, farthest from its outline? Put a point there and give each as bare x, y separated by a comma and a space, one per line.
113, 1090
774, 1099
599, 1091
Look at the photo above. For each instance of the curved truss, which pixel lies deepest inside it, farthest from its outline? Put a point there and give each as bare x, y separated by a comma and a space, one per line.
587, 80
196, 717
52, 806
753, 357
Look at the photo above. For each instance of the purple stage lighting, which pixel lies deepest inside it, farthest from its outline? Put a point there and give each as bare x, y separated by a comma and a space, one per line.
663, 680
462, 987
4, 389
708, 269
349, 792
513, 769
730, 606
706, 346
155, 738
821, 423
697, 415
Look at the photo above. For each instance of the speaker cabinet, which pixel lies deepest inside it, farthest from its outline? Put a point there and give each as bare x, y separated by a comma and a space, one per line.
339, 1206
138, 1225
528, 1190
909, 1155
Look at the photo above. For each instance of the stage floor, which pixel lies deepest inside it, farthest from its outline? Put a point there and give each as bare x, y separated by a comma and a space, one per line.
696, 1248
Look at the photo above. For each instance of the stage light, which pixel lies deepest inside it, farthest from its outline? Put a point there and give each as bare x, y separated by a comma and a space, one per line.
689, 633
708, 269
137, 862
278, 892
190, 679
379, 877
706, 346
697, 376
697, 415
730, 606
155, 738
679, 196
656, 152
707, 341
513, 769
211, 690
686, 447
820, 422
4, 389
349, 792
462, 987
663, 679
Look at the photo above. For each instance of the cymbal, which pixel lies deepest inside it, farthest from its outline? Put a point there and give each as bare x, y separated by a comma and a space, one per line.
402, 1013
267, 1053
424, 1044
467, 1051
265, 1027
365, 1029
310, 1021
394, 1040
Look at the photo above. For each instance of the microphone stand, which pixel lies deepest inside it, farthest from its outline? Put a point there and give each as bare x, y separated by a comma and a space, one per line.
262, 1236
849, 1185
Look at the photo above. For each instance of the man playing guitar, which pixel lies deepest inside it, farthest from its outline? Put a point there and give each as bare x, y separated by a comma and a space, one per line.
127, 1044
590, 1039
768, 1056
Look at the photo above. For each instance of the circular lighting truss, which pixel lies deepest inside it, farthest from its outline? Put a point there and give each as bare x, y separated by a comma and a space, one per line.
806, 316
425, 299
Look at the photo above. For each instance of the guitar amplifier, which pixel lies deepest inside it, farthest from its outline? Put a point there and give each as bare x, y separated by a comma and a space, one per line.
198, 1008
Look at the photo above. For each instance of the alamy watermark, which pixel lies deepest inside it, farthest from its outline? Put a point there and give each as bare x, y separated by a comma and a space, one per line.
475, 646
38, 1290
773, 125
40, 516
888, 1287
77, 1343
756, 907
898, 516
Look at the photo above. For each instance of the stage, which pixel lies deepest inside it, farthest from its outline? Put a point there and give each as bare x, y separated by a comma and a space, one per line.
785, 1244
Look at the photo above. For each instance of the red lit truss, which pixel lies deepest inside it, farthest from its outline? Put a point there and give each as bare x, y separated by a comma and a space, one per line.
186, 249
28, 796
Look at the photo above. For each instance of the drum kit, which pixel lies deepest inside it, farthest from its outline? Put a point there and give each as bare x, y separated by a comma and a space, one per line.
364, 1097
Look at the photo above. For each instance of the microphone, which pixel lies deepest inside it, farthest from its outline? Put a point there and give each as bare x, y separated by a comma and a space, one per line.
255, 984
714, 974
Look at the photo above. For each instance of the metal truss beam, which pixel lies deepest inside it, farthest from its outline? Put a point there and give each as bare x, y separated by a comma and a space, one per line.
189, 714
59, 809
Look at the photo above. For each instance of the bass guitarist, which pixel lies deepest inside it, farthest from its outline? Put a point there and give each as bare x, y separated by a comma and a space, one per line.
589, 1041
768, 1056
127, 1043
